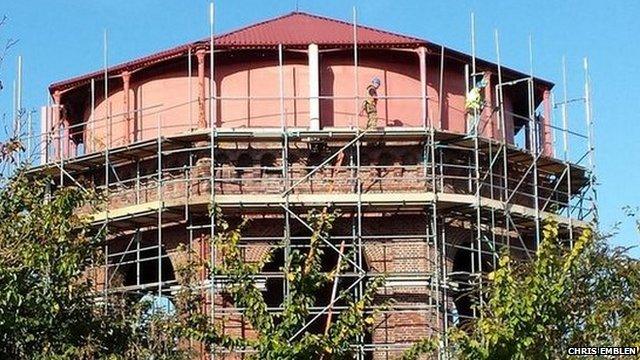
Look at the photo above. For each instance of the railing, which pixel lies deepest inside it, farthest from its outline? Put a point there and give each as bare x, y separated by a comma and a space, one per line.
184, 183
61, 140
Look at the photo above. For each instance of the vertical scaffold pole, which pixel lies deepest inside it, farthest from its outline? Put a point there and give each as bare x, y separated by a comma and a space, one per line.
503, 143
422, 53
106, 163
281, 86
440, 87
590, 141
92, 117
565, 145
212, 135
159, 196
360, 289
285, 167
535, 136
212, 90
356, 108
189, 85
476, 153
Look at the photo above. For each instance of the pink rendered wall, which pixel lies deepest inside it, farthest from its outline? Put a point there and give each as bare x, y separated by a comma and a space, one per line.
156, 101
257, 83
248, 90
453, 111
400, 78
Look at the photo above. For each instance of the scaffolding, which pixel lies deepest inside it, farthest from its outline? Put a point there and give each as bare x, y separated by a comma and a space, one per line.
459, 198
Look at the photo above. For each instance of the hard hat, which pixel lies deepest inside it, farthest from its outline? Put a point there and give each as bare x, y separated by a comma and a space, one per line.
375, 81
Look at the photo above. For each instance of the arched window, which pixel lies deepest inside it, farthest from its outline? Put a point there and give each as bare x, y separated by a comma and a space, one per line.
243, 163
409, 159
221, 160
268, 165
385, 163
386, 159
365, 159
294, 159
143, 269
275, 285
462, 275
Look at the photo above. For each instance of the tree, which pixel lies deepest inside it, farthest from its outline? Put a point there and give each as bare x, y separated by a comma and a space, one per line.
12, 145
585, 295
44, 250
49, 308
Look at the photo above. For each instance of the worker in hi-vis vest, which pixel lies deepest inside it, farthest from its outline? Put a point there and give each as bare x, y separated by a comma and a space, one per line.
370, 105
474, 103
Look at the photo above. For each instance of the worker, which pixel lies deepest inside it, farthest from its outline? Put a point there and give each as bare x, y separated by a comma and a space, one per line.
370, 105
474, 103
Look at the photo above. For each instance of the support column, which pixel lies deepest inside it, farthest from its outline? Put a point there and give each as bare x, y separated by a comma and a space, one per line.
45, 130
488, 127
126, 78
546, 136
422, 53
202, 122
314, 87
61, 137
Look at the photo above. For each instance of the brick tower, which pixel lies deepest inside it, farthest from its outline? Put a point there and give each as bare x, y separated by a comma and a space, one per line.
273, 126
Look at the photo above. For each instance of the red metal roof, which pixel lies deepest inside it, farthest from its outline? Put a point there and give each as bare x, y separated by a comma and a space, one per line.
296, 29
299, 28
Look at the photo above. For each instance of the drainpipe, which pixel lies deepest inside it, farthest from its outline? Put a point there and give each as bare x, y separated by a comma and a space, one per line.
314, 88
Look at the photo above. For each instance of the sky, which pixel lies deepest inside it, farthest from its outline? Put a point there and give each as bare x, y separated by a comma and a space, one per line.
64, 38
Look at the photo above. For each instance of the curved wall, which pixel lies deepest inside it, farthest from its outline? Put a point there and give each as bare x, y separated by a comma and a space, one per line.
248, 90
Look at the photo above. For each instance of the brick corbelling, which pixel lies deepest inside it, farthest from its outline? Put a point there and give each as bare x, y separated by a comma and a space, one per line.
175, 185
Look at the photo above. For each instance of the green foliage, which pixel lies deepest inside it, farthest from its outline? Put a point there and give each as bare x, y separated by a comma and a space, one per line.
48, 306
587, 295
45, 307
280, 335
424, 346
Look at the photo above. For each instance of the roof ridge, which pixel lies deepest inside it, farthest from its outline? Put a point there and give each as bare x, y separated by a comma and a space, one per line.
344, 22
247, 27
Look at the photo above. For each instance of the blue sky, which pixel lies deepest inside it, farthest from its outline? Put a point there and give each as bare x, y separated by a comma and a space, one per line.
63, 38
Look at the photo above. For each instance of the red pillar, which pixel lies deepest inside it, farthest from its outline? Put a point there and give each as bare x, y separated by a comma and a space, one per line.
126, 78
488, 122
202, 122
61, 138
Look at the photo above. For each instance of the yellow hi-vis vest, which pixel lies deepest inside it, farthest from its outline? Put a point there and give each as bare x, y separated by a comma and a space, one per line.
371, 101
473, 101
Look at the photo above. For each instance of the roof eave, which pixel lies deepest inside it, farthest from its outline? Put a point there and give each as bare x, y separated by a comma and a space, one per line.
163, 56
